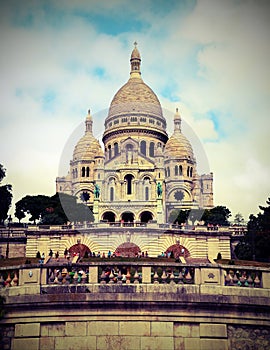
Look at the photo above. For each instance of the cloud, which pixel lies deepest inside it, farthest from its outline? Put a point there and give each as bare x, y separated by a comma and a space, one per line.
209, 58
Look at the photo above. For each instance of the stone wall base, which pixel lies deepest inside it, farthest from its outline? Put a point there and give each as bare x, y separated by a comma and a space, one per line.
135, 335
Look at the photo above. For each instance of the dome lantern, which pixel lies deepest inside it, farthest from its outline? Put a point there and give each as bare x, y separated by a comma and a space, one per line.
135, 62
177, 121
88, 122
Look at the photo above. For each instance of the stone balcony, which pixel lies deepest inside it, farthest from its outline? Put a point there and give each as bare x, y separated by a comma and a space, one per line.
160, 305
113, 272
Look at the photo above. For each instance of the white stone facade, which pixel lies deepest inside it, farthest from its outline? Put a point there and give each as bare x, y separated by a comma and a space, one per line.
142, 174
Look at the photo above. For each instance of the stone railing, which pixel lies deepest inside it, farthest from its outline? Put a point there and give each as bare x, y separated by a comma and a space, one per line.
113, 272
243, 277
118, 272
88, 225
9, 277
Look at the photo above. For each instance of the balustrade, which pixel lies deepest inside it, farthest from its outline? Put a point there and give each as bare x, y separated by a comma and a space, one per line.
9, 278
67, 275
118, 272
243, 277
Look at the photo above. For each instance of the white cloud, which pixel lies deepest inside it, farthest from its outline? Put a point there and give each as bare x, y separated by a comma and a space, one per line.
215, 57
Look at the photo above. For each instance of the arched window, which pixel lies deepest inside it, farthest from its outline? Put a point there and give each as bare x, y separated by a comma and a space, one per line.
87, 171
76, 173
129, 179
168, 172
111, 194
109, 216
143, 147
180, 170
116, 149
176, 170
110, 151
147, 193
83, 171
188, 171
146, 179
151, 149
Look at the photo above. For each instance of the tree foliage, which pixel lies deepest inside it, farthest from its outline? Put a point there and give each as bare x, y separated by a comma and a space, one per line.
5, 197
183, 216
55, 210
178, 216
238, 219
218, 215
256, 243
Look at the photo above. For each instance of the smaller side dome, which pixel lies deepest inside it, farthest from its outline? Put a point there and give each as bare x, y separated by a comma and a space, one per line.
178, 145
88, 146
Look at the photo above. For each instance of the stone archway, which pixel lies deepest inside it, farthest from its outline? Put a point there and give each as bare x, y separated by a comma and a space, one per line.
178, 250
127, 216
80, 249
146, 216
109, 216
127, 250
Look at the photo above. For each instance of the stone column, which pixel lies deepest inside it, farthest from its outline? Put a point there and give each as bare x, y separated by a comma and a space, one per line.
96, 209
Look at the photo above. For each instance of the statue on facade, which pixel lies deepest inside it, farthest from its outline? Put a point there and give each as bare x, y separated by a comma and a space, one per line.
96, 191
159, 189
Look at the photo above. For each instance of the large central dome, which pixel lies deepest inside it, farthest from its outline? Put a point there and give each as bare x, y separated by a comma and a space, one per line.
135, 105
135, 96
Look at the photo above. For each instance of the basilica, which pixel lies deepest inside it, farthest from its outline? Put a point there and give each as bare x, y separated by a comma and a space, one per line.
141, 174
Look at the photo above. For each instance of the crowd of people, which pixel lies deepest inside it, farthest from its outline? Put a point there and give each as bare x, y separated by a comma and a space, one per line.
88, 254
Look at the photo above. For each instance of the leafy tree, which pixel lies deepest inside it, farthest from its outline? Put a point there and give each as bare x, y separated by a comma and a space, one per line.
256, 243
5, 197
243, 250
55, 210
238, 219
178, 216
183, 216
218, 215
195, 215
19, 213
33, 205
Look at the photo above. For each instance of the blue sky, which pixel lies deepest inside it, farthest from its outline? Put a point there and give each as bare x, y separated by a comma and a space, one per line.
209, 58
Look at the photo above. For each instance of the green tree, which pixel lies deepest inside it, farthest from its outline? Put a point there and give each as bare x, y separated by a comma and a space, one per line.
218, 215
19, 214
5, 196
195, 215
55, 210
178, 216
256, 243
54, 213
33, 205
238, 219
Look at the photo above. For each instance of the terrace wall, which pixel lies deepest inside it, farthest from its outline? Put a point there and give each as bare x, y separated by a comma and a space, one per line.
216, 308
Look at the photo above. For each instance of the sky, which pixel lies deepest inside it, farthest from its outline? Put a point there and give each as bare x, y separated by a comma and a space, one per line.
209, 58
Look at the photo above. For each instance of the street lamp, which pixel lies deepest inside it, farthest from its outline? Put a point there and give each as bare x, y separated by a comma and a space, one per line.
9, 222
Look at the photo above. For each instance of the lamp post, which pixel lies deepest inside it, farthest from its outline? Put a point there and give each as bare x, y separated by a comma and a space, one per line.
9, 222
